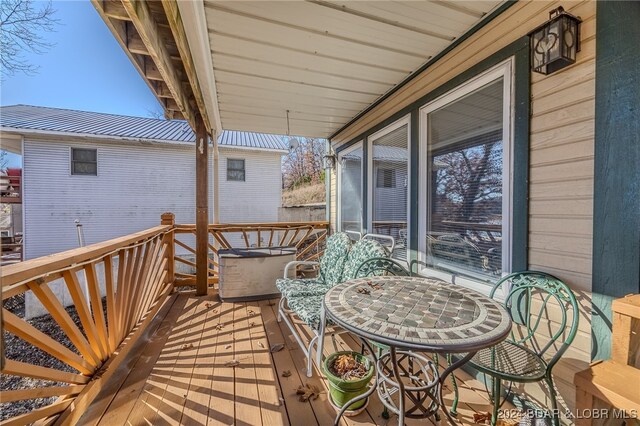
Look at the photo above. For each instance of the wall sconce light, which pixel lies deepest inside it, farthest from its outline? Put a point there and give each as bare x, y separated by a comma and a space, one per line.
554, 44
329, 161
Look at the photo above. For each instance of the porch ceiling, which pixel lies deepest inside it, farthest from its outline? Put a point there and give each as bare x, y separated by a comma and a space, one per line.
244, 64
325, 61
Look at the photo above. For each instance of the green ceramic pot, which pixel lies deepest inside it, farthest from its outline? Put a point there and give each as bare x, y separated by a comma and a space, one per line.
342, 391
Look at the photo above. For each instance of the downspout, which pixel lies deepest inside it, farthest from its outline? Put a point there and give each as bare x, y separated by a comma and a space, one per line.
216, 177
327, 184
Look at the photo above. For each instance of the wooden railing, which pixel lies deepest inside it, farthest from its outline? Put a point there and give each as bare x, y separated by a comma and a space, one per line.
307, 237
116, 288
132, 271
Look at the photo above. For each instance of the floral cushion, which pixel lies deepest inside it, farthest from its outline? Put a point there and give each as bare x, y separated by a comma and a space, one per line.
301, 287
307, 308
362, 251
334, 258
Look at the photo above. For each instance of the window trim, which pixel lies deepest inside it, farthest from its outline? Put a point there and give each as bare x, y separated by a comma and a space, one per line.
244, 170
505, 70
341, 154
405, 120
71, 160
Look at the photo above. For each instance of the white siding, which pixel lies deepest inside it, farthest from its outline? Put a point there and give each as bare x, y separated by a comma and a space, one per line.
257, 198
134, 186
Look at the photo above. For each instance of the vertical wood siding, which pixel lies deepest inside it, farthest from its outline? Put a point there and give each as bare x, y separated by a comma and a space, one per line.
561, 157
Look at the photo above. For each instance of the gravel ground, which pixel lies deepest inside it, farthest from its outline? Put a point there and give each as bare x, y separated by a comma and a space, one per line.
19, 350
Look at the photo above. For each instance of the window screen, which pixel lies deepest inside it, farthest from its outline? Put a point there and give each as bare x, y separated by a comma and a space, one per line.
235, 170
389, 194
351, 190
464, 233
84, 161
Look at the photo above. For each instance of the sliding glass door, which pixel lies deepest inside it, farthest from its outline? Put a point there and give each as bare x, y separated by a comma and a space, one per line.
389, 184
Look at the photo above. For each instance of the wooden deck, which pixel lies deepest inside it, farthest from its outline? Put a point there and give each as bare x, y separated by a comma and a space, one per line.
180, 373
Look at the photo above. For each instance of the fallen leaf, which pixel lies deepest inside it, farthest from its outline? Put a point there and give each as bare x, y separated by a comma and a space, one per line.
481, 418
286, 373
228, 347
232, 363
280, 401
250, 312
261, 344
209, 305
506, 422
363, 290
308, 392
187, 346
374, 286
277, 347
251, 324
219, 326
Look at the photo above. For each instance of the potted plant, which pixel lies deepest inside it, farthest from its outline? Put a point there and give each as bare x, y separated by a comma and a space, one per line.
349, 374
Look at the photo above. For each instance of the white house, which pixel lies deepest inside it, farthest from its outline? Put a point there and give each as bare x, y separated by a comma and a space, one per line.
118, 174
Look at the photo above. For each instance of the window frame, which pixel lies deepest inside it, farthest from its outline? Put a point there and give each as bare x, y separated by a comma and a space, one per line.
244, 170
506, 71
71, 161
341, 154
404, 121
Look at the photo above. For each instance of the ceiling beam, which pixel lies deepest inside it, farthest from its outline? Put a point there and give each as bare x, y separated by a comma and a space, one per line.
119, 28
147, 27
177, 28
114, 9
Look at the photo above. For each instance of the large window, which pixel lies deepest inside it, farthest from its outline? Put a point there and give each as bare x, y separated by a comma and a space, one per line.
84, 161
350, 181
466, 146
389, 184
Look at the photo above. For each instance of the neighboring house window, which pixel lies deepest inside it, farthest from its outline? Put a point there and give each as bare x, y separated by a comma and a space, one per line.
235, 170
465, 230
84, 161
350, 181
386, 178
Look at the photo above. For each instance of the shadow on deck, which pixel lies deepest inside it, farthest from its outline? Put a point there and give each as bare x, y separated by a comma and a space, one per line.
181, 373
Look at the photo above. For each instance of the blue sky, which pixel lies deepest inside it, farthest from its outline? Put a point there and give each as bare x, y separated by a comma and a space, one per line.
86, 69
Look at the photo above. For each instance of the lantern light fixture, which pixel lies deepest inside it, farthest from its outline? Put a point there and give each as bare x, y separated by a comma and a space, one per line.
329, 161
554, 45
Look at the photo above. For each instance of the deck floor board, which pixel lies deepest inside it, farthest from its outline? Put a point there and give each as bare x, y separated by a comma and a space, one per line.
183, 375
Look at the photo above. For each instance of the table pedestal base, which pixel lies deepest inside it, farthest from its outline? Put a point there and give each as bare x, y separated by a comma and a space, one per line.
419, 382
419, 377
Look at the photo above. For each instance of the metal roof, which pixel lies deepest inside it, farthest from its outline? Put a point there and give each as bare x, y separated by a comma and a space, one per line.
46, 119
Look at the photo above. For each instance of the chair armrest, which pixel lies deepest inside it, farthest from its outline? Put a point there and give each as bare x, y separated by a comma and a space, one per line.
388, 238
296, 263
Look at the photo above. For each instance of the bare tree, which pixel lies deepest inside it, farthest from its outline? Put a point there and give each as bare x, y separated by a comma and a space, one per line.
156, 113
22, 24
303, 165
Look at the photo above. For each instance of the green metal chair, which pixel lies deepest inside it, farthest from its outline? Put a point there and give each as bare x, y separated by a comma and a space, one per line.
531, 355
380, 266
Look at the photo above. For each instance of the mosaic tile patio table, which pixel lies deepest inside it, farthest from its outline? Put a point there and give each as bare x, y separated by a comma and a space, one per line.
410, 314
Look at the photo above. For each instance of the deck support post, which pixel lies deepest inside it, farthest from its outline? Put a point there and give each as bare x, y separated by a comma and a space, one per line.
202, 207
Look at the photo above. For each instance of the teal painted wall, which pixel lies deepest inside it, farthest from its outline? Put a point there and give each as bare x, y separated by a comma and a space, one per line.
616, 216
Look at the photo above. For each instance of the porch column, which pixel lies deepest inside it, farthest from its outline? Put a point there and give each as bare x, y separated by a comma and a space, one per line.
202, 207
